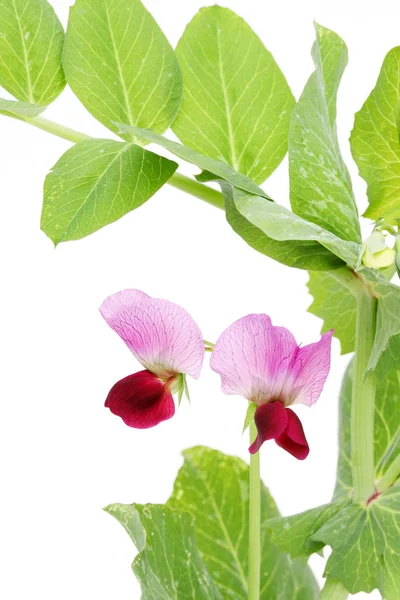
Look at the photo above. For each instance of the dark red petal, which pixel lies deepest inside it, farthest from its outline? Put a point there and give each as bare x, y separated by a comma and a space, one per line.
293, 439
271, 420
141, 400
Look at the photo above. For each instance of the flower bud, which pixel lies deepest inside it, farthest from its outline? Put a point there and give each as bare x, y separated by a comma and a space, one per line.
376, 254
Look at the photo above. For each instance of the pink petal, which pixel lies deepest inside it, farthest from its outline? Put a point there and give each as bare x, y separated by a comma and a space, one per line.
162, 335
141, 400
271, 421
293, 439
310, 370
253, 358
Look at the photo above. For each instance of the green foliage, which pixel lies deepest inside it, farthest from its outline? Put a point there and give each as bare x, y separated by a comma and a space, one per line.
214, 489
365, 542
31, 43
293, 534
95, 183
216, 167
336, 305
307, 255
320, 186
282, 225
169, 565
334, 302
375, 142
120, 64
237, 103
386, 428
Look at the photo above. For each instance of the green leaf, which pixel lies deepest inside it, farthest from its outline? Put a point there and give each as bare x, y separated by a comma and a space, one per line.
293, 534
215, 167
388, 315
95, 183
365, 543
31, 43
169, 565
120, 65
281, 225
20, 110
375, 142
214, 488
249, 418
336, 305
237, 104
386, 428
320, 185
293, 253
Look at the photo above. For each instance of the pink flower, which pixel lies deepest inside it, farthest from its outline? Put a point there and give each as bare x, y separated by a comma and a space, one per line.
166, 341
264, 364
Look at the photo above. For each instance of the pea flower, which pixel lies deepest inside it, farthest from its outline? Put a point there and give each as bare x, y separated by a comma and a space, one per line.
166, 341
264, 364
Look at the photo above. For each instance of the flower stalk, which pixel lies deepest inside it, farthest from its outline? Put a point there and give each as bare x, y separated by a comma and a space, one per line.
390, 477
363, 400
254, 522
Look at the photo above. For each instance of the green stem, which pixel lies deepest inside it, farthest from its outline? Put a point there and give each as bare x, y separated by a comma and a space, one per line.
181, 182
391, 475
254, 522
199, 190
333, 590
363, 400
59, 130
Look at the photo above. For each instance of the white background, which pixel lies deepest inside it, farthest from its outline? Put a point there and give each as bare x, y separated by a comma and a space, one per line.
64, 456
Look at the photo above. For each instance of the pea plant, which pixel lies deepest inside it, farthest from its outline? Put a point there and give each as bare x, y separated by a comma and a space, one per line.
220, 535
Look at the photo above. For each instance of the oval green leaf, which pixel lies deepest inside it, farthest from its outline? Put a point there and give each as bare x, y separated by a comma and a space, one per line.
237, 103
31, 43
121, 66
375, 142
95, 183
214, 488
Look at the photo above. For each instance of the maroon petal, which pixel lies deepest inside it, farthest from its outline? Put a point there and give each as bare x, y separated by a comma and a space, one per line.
271, 421
141, 400
293, 439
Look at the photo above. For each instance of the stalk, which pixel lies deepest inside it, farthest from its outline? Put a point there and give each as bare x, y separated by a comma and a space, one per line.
333, 590
181, 182
254, 522
363, 400
390, 477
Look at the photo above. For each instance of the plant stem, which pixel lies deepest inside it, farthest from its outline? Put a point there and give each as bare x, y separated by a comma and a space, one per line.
333, 590
181, 182
391, 475
254, 522
199, 190
59, 130
363, 400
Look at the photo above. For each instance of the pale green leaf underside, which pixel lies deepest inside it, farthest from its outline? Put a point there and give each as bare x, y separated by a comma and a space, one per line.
237, 104
282, 225
95, 183
120, 64
365, 544
293, 253
20, 110
375, 142
205, 163
31, 42
386, 428
320, 186
169, 565
214, 488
